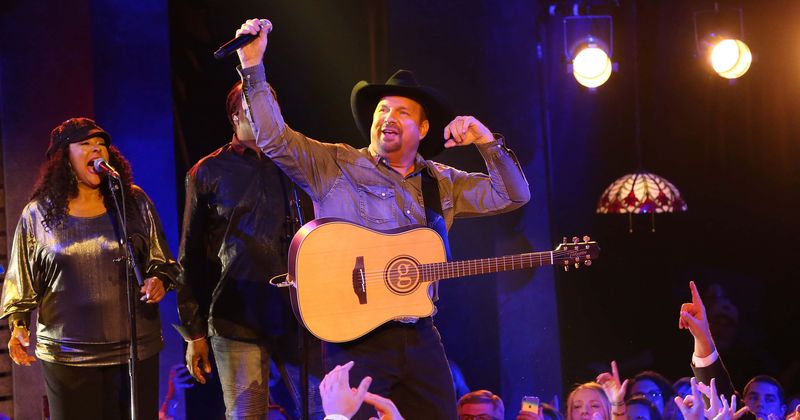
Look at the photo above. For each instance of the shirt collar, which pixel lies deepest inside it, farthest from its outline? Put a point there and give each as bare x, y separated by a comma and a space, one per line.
419, 162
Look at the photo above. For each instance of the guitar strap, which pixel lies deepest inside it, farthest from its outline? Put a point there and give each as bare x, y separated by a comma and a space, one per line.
434, 217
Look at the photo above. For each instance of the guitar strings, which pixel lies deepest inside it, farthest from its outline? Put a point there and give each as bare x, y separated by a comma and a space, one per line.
466, 267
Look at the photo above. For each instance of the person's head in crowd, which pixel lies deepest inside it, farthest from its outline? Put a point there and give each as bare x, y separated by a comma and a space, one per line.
641, 408
587, 399
763, 395
549, 412
480, 405
682, 387
654, 387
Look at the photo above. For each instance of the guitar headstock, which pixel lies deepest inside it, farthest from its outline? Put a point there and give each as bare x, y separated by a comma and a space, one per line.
581, 251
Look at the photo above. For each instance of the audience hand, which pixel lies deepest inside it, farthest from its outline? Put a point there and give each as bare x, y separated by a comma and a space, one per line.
180, 377
710, 393
337, 396
728, 412
384, 406
693, 318
179, 380
527, 415
612, 387
795, 414
692, 405
719, 408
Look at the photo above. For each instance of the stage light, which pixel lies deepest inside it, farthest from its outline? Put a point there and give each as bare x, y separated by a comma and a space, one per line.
731, 58
718, 38
591, 66
588, 55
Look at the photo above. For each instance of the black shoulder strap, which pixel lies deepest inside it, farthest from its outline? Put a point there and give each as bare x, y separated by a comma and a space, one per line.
433, 208
434, 217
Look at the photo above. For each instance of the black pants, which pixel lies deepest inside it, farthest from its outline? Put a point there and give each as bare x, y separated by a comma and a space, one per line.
100, 392
407, 365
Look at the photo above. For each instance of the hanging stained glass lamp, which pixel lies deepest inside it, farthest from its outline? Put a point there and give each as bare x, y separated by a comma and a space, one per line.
641, 193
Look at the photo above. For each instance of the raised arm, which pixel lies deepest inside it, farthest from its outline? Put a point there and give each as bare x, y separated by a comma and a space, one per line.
503, 189
706, 362
309, 163
614, 390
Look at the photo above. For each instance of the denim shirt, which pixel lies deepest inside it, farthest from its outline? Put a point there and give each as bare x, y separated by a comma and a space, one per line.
357, 185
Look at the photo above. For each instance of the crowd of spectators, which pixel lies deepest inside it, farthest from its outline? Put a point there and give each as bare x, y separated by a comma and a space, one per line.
709, 394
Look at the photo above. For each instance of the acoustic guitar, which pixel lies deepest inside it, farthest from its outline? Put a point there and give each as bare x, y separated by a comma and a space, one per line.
348, 280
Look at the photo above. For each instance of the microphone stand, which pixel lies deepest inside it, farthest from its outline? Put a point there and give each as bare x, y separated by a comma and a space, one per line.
303, 343
131, 265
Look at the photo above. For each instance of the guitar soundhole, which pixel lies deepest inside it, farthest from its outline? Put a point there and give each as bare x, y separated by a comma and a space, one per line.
402, 275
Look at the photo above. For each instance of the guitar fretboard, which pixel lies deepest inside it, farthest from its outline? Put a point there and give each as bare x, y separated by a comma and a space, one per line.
448, 270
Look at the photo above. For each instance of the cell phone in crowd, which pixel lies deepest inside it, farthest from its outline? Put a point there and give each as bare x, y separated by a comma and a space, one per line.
530, 404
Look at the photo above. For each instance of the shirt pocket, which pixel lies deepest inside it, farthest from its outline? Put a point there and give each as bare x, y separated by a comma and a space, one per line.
376, 203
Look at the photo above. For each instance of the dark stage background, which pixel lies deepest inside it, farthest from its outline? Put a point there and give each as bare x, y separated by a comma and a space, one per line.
731, 149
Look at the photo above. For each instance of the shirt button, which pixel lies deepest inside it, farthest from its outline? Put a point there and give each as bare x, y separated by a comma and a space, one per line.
408, 211
383, 194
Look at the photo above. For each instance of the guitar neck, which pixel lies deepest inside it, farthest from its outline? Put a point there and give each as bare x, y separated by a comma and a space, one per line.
448, 270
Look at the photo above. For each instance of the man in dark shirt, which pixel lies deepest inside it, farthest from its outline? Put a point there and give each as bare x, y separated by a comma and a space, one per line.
237, 222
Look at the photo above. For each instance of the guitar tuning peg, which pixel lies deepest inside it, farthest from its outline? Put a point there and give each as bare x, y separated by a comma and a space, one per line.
575, 239
586, 238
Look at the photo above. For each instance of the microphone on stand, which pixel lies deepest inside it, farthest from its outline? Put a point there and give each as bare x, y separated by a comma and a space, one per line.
101, 166
240, 41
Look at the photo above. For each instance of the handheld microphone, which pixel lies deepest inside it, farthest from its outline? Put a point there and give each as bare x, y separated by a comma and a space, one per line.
240, 41
101, 166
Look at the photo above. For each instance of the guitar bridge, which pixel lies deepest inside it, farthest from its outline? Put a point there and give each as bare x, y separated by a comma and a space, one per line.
360, 281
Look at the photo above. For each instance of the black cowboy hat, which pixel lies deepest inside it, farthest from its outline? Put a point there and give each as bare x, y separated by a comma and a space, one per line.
365, 98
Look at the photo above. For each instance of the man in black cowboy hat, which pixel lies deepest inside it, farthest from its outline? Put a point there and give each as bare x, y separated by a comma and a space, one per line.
387, 185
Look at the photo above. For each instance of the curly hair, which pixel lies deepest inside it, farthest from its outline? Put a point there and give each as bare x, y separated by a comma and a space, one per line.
57, 184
